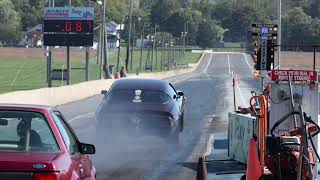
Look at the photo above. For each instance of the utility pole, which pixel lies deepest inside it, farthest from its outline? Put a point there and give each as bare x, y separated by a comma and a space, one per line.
184, 34
153, 46
279, 33
162, 53
87, 57
102, 54
119, 48
129, 34
68, 59
156, 46
105, 38
132, 42
49, 57
142, 38
98, 47
100, 51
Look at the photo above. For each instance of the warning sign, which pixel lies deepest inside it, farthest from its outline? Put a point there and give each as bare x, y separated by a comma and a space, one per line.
304, 76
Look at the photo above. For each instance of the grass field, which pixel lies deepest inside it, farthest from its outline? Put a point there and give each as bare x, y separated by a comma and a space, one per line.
24, 69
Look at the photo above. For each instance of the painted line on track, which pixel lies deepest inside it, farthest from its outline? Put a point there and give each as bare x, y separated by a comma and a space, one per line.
210, 145
229, 63
241, 96
81, 116
245, 57
209, 62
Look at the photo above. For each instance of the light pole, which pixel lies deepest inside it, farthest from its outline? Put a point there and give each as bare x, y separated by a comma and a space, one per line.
133, 32
119, 48
104, 68
152, 40
68, 59
142, 38
279, 33
105, 39
129, 35
183, 36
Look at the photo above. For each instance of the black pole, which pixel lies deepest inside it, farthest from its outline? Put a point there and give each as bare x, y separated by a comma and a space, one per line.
168, 56
87, 64
162, 53
234, 94
314, 58
68, 59
100, 53
156, 49
142, 38
119, 48
49, 62
68, 65
132, 38
129, 35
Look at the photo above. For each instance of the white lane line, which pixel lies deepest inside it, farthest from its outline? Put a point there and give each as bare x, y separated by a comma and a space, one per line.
245, 57
229, 63
17, 75
81, 116
209, 62
210, 145
241, 96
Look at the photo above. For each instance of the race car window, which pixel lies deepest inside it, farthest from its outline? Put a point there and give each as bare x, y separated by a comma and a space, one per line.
67, 135
137, 96
25, 131
172, 91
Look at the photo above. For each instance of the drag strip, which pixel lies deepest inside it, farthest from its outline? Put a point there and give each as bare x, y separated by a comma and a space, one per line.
209, 98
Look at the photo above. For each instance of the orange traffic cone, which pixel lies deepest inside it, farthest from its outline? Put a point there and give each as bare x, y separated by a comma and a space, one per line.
253, 165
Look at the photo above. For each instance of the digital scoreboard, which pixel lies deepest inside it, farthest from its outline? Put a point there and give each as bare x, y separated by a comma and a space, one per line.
68, 26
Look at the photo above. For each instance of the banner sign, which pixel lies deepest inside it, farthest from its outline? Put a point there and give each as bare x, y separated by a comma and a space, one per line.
304, 76
68, 13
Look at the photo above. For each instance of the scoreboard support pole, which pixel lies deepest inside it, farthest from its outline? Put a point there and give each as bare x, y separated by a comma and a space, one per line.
68, 65
49, 62
68, 57
87, 64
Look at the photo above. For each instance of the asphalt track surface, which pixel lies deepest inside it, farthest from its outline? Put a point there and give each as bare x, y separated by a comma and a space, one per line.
209, 99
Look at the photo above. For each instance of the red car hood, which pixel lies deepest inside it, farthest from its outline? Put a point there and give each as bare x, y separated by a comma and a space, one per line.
17, 161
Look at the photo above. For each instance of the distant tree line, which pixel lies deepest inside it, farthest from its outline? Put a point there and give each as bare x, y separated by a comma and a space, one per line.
208, 22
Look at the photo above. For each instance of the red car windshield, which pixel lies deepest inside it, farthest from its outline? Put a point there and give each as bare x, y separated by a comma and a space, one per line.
26, 132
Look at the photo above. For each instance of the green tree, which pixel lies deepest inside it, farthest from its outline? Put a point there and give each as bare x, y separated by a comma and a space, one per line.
209, 34
147, 4
9, 23
181, 18
297, 28
313, 8
30, 11
117, 9
162, 10
239, 21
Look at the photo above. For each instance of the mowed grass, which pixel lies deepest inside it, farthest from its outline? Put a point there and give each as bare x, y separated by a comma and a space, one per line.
27, 74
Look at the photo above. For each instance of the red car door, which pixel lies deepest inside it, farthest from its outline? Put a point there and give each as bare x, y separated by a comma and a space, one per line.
75, 170
84, 166
87, 170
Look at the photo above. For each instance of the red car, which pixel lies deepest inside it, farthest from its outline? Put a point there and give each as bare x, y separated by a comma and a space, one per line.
36, 143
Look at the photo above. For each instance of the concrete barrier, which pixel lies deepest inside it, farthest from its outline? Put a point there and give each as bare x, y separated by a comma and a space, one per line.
65, 94
241, 130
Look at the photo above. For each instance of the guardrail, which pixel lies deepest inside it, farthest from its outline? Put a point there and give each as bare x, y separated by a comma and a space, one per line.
241, 130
